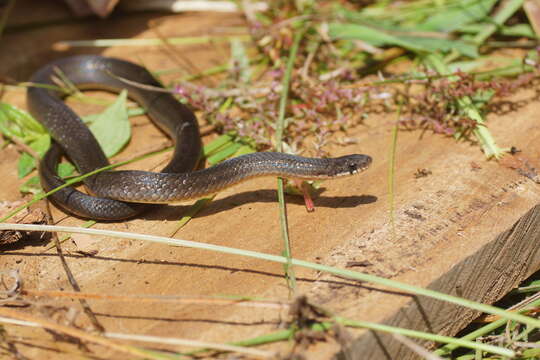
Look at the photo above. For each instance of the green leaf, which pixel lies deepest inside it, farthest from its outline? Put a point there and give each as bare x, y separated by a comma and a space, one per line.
531, 353
455, 16
503, 13
41, 144
224, 153
31, 186
444, 45
16, 122
25, 165
216, 144
371, 35
26, 162
6, 127
244, 149
88, 119
112, 128
23, 119
19, 124
471, 65
422, 44
524, 30
65, 169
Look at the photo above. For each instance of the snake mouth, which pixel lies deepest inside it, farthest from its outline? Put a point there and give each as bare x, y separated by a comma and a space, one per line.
348, 172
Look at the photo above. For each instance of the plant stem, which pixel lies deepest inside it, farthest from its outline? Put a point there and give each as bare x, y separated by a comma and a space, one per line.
279, 147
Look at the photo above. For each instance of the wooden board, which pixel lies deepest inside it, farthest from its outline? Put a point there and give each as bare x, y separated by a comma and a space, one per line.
484, 276
446, 224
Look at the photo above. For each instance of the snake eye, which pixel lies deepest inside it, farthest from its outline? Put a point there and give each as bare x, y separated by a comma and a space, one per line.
353, 169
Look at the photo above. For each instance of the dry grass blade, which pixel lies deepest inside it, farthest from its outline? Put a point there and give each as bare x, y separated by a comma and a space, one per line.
79, 334
35, 322
160, 298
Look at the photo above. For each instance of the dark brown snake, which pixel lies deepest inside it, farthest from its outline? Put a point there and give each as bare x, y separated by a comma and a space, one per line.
119, 194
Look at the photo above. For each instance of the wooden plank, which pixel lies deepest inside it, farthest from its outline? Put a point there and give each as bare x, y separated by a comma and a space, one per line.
444, 223
485, 277
466, 231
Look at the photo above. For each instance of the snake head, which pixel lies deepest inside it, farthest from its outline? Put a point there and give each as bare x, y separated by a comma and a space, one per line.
351, 164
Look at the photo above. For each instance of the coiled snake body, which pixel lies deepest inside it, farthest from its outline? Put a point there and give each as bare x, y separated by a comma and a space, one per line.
118, 194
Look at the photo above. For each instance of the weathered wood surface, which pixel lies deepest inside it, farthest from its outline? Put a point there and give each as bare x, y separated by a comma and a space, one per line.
485, 276
446, 224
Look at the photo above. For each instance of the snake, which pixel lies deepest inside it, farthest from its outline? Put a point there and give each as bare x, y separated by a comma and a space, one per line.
121, 194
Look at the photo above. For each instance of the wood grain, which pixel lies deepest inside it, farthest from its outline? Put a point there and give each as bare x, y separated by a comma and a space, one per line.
485, 276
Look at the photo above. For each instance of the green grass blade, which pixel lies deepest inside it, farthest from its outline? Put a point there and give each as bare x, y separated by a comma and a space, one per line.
392, 174
508, 9
411, 289
427, 336
279, 147
216, 144
484, 330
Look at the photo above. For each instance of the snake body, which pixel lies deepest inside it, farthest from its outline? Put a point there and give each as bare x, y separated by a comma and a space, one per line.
119, 194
